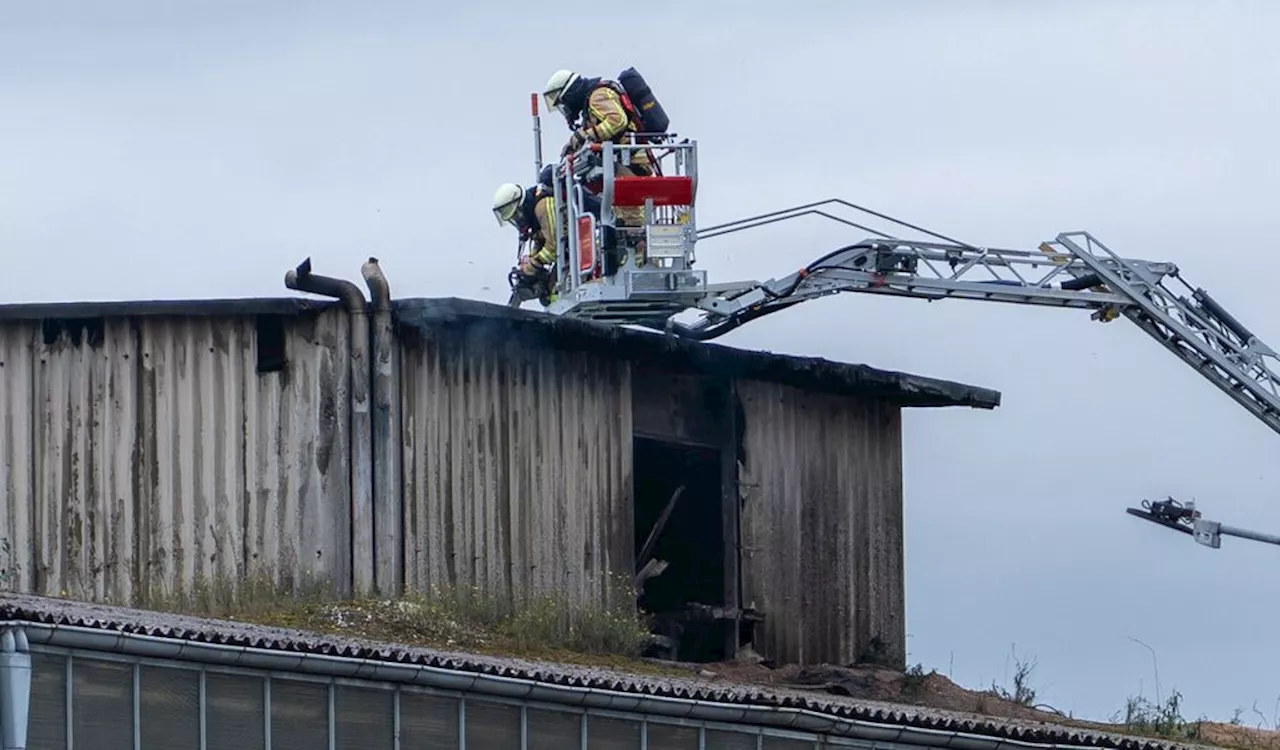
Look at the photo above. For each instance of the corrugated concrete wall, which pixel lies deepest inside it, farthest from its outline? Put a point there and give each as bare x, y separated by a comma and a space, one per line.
822, 524
517, 466
142, 455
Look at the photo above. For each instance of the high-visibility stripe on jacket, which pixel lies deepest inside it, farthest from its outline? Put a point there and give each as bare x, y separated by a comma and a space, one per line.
544, 213
606, 119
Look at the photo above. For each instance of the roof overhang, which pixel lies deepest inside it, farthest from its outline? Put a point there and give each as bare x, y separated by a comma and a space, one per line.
485, 323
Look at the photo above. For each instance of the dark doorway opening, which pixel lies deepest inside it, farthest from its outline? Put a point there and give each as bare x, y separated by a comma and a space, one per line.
690, 542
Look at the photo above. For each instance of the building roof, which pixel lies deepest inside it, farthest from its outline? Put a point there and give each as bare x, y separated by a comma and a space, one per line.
486, 321
482, 320
72, 624
30, 311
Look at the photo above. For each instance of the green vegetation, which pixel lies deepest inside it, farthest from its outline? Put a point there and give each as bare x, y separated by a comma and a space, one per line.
914, 682
1140, 716
1143, 717
1021, 694
550, 626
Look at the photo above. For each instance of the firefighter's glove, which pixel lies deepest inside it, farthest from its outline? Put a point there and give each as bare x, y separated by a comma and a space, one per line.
575, 142
528, 267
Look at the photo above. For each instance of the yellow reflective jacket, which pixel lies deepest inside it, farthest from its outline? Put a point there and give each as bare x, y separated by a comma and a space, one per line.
544, 210
605, 118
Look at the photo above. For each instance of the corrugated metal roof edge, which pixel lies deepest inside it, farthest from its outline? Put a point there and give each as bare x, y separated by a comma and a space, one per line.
61, 622
152, 308
487, 321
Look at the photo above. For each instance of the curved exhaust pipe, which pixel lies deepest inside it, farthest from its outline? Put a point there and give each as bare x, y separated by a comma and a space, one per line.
388, 500
360, 441
301, 279
379, 289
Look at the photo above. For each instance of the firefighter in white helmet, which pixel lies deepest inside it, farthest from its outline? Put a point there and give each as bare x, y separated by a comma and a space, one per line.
532, 212
607, 115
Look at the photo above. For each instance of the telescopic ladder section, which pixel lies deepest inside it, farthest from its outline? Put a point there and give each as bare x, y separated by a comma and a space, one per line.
1075, 270
1197, 329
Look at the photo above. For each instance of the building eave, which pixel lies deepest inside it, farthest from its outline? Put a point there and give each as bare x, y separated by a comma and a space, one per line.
486, 323
194, 308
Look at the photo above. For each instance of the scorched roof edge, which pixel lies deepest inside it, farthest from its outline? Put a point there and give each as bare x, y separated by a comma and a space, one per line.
53, 613
487, 320
161, 308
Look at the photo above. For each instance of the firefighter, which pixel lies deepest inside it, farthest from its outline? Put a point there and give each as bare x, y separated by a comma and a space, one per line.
546, 177
532, 212
590, 202
605, 117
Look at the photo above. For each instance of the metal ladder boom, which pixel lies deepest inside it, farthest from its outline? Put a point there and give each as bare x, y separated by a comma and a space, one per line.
1082, 273
1197, 329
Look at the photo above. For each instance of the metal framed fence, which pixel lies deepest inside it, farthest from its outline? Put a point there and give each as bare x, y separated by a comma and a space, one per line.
84, 700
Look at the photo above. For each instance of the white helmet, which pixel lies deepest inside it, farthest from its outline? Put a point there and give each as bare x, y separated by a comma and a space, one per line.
505, 202
557, 84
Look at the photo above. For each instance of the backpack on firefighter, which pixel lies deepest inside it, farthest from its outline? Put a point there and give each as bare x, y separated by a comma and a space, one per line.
642, 108
642, 105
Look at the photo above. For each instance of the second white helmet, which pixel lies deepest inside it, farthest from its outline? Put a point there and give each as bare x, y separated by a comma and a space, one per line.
557, 84
505, 202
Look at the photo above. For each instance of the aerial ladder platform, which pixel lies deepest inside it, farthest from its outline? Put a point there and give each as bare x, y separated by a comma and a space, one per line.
642, 271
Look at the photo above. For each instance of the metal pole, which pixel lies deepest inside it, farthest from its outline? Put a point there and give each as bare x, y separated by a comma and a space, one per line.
1186, 518
537, 137
1256, 536
559, 191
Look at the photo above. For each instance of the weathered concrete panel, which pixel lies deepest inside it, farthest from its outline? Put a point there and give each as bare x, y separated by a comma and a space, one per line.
388, 477
517, 464
144, 454
19, 522
80, 442
822, 524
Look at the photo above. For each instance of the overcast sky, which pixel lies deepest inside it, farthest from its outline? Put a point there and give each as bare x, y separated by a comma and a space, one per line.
200, 149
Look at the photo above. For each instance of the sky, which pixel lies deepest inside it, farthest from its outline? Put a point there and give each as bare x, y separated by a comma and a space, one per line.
171, 150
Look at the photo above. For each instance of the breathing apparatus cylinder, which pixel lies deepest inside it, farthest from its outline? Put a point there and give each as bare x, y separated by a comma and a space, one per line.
653, 117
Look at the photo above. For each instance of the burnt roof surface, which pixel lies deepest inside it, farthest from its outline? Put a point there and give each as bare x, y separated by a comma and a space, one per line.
152, 308
487, 322
18, 608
